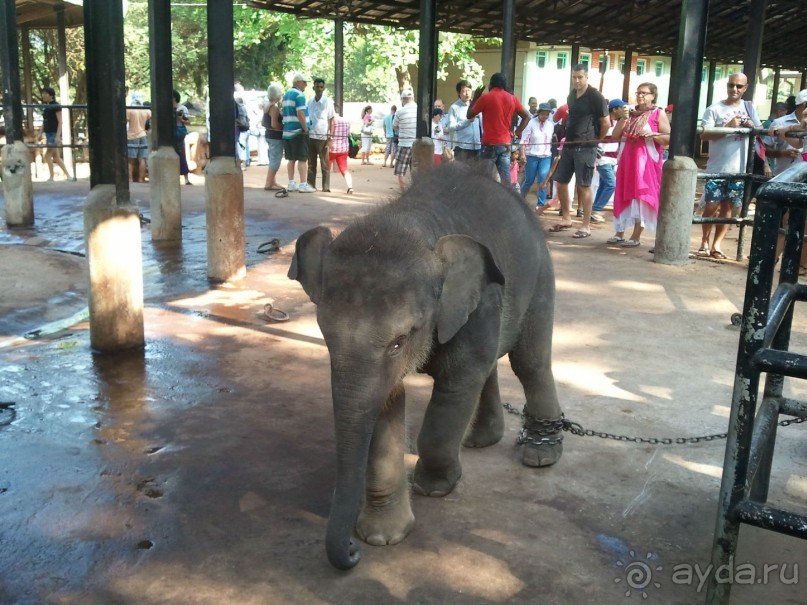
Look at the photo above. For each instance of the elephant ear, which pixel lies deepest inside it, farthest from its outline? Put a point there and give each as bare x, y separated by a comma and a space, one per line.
468, 268
306, 266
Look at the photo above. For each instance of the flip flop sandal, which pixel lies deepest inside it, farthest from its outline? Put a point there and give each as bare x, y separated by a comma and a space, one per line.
581, 234
282, 193
631, 243
615, 240
558, 228
703, 251
718, 254
272, 245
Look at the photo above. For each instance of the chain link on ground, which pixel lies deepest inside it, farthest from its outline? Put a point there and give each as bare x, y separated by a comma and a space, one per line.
546, 429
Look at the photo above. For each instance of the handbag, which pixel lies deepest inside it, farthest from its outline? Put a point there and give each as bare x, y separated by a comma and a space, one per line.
448, 154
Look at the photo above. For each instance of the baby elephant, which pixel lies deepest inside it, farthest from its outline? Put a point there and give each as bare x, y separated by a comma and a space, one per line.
445, 280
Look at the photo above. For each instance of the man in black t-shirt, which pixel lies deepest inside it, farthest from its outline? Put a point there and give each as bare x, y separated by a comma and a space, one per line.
586, 126
51, 128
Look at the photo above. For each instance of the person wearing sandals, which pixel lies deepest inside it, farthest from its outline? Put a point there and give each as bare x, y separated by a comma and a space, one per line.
273, 123
726, 154
340, 148
645, 131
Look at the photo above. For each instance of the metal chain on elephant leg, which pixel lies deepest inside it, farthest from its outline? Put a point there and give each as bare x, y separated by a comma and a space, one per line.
544, 429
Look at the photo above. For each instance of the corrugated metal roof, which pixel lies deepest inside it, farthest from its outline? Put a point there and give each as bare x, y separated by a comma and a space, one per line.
645, 26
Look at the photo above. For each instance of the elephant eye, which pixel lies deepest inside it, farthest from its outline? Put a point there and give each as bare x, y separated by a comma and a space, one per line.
397, 345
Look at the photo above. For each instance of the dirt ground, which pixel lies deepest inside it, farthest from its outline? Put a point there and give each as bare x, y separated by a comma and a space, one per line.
200, 469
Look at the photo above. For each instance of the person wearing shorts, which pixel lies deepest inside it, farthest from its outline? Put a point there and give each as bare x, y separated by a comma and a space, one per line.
726, 154
137, 143
405, 121
295, 133
51, 128
588, 124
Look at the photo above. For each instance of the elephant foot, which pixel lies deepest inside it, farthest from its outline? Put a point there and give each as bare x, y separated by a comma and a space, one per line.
544, 454
486, 430
435, 484
387, 525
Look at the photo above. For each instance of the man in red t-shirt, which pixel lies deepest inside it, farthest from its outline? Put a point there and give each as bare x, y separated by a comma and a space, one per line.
498, 108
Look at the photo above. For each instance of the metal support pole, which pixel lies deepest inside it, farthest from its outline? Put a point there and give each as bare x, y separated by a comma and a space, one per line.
106, 111
427, 67
10, 66
710, 91
221, 77
28, 86
753, 47
339, 65
775, 92
64, 92
163, 120
509, 42
626, 75
573, 60
691, 42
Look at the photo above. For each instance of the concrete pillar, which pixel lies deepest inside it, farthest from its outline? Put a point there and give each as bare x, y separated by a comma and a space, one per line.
422, 155
17, 188
116, 271
678, 181
166, 203
226, 245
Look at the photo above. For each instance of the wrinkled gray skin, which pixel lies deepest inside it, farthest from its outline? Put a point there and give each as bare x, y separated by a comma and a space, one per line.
445, 280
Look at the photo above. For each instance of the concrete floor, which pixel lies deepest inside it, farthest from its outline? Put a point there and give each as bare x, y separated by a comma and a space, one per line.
200, 469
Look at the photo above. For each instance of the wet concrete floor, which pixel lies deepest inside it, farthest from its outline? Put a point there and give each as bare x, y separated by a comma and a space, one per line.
199, 470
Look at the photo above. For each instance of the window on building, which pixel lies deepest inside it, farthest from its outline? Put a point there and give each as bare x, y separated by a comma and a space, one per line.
641, 65
585, 59
659, 68
562, 60
604, 63
540, 58
622, 65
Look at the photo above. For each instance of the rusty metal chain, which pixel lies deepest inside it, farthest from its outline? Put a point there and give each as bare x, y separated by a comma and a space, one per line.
545, 429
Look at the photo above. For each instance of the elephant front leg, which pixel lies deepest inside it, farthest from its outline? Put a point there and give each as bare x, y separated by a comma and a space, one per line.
487, 427
386, 517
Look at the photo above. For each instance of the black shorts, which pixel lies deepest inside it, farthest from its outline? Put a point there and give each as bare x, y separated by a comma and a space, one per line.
577, 161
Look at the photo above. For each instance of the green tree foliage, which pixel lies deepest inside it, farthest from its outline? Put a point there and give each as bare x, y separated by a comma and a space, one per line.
268, 47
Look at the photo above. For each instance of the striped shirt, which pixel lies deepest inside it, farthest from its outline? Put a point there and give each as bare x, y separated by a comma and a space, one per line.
341, 130
293, 100
406, 122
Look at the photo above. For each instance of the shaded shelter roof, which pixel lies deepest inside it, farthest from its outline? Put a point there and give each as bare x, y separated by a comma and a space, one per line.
43, 13
645, 26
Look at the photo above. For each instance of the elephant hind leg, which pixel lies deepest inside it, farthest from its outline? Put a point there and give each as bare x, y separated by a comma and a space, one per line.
531, 361
487, 426
386, 517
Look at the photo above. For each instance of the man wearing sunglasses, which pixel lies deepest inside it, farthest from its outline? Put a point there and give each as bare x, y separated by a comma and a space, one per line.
726, 154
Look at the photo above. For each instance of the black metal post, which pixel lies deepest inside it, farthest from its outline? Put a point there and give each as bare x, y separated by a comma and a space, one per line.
162, 110
691, 40
753, 46
509, 42
339, 65
10, 66
427, 67
626, 75
573, 60
220, 57
674, 75
775, 92
106, 111
710, 91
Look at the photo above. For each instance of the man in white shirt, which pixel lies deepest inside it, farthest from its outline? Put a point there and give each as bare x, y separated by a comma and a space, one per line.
321, 113
405, 121
726, 154
465, 134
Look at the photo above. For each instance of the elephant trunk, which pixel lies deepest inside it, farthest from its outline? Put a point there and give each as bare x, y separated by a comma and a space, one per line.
354, 431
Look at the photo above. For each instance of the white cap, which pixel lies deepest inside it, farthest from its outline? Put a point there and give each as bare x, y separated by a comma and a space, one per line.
407, 93
298, 77
801, 97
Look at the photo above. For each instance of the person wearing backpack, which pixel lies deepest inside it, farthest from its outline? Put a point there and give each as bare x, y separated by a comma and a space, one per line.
241, 132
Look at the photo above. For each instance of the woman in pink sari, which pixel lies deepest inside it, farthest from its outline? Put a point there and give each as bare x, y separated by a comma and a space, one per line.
638, 178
